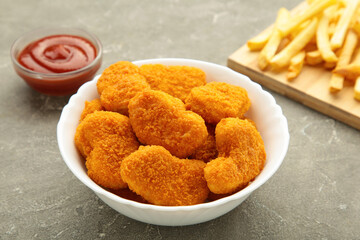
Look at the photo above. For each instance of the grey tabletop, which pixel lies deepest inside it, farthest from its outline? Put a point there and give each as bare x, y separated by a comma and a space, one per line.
314, 195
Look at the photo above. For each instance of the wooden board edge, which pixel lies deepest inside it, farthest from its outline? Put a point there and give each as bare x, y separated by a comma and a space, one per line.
295, 94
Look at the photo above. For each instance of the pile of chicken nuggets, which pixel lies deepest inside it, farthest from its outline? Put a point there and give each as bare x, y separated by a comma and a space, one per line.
168, 136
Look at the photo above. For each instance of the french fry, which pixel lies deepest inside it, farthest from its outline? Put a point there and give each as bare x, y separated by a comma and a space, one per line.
332, 65
282, 59
357, 89
313, 58
258, 42
314, 9
275, 38
311, 1
298, 29
341, 28
357, 80
331, 29
322, 36
296, 64
334, 18
284, 42
356, 25
336, 83
343, 3
269, 50
352, 70
337, 80
329, 65
347, 51
355, 18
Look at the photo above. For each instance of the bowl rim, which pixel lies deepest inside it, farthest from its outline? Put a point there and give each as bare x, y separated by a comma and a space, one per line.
240, 194
90, 37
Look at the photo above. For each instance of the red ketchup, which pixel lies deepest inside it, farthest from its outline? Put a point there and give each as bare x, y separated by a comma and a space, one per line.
59, 64
57, 54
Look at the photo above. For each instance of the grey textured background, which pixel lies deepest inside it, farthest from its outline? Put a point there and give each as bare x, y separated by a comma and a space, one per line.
314, 195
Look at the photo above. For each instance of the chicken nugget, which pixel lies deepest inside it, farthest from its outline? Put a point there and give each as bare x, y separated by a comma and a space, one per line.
162, 179
104, 139
90, 107
104, 161
207, 151
160, 119
218, 100
223, 175
241, 156
116, 97
114, 73
174, 80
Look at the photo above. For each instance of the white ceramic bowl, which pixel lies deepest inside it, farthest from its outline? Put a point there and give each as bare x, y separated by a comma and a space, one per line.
264, 111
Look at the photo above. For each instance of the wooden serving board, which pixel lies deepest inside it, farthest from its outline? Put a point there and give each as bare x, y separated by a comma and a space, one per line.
310, 88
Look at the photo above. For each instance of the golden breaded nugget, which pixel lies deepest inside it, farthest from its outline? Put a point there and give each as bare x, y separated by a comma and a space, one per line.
160, 119
104, 161
223, 175
207, 151
90, 107
114, 73
241, 156
162, 179
174, 80
218, 100
104, 139
116, 97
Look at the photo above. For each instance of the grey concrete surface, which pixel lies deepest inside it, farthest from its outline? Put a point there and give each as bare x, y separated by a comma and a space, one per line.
314, 195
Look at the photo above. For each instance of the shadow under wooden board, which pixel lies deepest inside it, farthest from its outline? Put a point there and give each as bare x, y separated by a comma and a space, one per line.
310, 88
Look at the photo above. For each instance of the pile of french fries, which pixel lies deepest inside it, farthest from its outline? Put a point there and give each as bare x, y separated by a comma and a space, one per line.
326, 34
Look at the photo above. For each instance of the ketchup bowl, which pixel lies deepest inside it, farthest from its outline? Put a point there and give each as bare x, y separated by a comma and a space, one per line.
56, 61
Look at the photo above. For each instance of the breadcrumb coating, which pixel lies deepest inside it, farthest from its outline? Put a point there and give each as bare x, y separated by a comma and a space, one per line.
174, 80
160, 119
163, 179
104, 139
115, 73
90, 107
218, 100
241, 156
116, 97
207, 151
103, 164
223, 175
